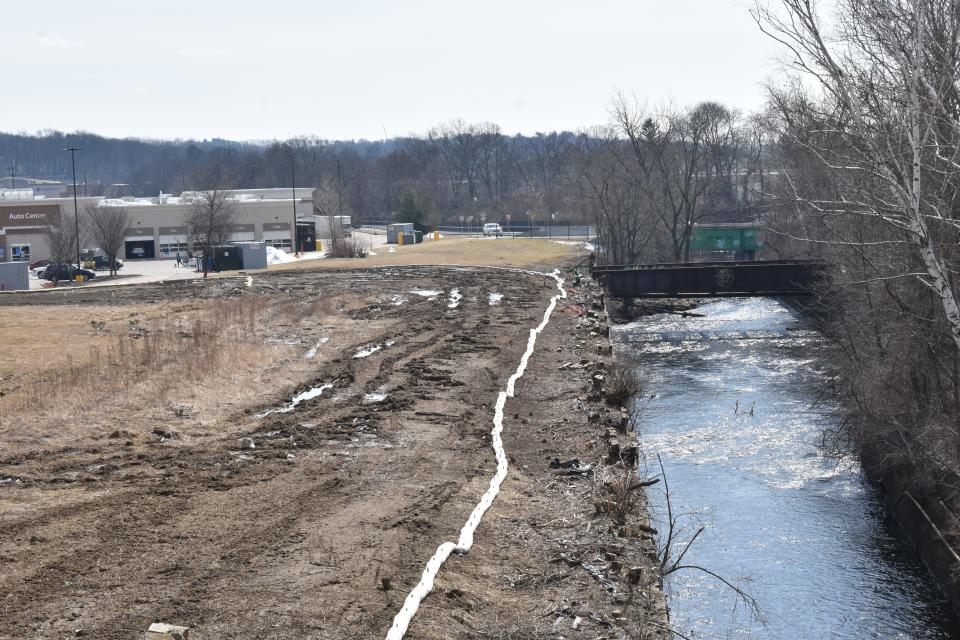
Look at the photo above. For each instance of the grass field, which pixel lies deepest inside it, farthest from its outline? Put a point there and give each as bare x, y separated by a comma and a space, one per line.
502, 252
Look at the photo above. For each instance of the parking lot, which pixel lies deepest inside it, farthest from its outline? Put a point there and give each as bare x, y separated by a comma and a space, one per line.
164, 269
134, 272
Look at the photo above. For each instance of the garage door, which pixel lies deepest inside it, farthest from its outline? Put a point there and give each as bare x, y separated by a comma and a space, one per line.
136, 249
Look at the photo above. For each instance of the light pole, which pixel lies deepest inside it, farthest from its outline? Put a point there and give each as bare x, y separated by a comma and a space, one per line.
293, 182
76, 212
339, 190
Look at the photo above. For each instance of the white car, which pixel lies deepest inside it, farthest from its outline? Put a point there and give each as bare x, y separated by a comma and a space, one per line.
492, 229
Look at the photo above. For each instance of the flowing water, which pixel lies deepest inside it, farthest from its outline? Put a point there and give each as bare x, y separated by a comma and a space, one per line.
741, 404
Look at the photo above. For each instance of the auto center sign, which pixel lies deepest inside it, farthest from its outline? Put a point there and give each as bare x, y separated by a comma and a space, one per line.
29, 215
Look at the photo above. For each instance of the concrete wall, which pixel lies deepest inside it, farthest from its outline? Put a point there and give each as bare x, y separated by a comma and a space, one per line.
937, 554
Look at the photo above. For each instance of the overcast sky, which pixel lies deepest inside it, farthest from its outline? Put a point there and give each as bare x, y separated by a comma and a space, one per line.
357, 69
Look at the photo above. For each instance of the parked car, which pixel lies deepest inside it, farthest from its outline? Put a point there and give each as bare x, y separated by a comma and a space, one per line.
492, 229
102, 263
40, 271
66, 272
36, 264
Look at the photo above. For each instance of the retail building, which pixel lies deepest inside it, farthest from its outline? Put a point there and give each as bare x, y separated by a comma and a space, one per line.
158, 226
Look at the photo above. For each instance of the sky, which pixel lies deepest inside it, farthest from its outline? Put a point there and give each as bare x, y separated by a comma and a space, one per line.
366, 68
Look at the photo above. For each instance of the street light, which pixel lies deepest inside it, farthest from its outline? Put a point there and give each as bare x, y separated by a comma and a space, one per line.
76, 212
293, 182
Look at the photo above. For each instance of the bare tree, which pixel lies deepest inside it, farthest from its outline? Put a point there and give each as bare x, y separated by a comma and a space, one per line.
328, 203
890, 85
108, 230
616, 198
62, 240
209, 220
687, 162
869, 144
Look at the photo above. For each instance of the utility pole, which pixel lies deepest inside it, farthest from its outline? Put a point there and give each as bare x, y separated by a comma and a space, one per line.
293, 181
76, 209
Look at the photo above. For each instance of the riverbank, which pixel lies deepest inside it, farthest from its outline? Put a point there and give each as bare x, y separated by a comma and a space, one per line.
279, 457
567, 549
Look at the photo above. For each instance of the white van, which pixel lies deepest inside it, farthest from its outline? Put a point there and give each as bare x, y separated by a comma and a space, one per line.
492, 229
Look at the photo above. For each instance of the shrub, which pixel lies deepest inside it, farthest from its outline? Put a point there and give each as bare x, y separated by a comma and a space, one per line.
623, 383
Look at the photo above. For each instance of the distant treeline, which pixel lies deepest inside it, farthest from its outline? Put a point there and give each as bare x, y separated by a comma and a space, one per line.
453, 170
452, 166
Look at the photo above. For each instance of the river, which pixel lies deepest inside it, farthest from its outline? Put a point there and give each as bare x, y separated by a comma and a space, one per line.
741, 401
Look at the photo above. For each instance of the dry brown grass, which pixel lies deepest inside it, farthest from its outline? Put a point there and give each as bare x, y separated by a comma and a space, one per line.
502, 252
198, 364
197, 342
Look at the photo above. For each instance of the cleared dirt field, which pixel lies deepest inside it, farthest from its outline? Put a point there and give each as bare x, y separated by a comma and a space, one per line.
153, 466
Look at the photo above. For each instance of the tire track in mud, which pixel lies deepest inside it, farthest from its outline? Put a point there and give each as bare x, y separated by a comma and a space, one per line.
404, 617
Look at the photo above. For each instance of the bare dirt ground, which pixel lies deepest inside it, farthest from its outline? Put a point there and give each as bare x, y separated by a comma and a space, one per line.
142, 477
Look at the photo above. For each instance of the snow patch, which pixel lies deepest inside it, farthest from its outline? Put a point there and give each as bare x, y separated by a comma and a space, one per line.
312, 353
495, 298
429, 294
576, 243
367, 351
278, 256
454, 299
309, 394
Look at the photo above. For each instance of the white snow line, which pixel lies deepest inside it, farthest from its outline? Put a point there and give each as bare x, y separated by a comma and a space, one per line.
403, 618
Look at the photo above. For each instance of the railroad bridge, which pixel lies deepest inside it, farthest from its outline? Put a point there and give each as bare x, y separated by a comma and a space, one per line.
709, 279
